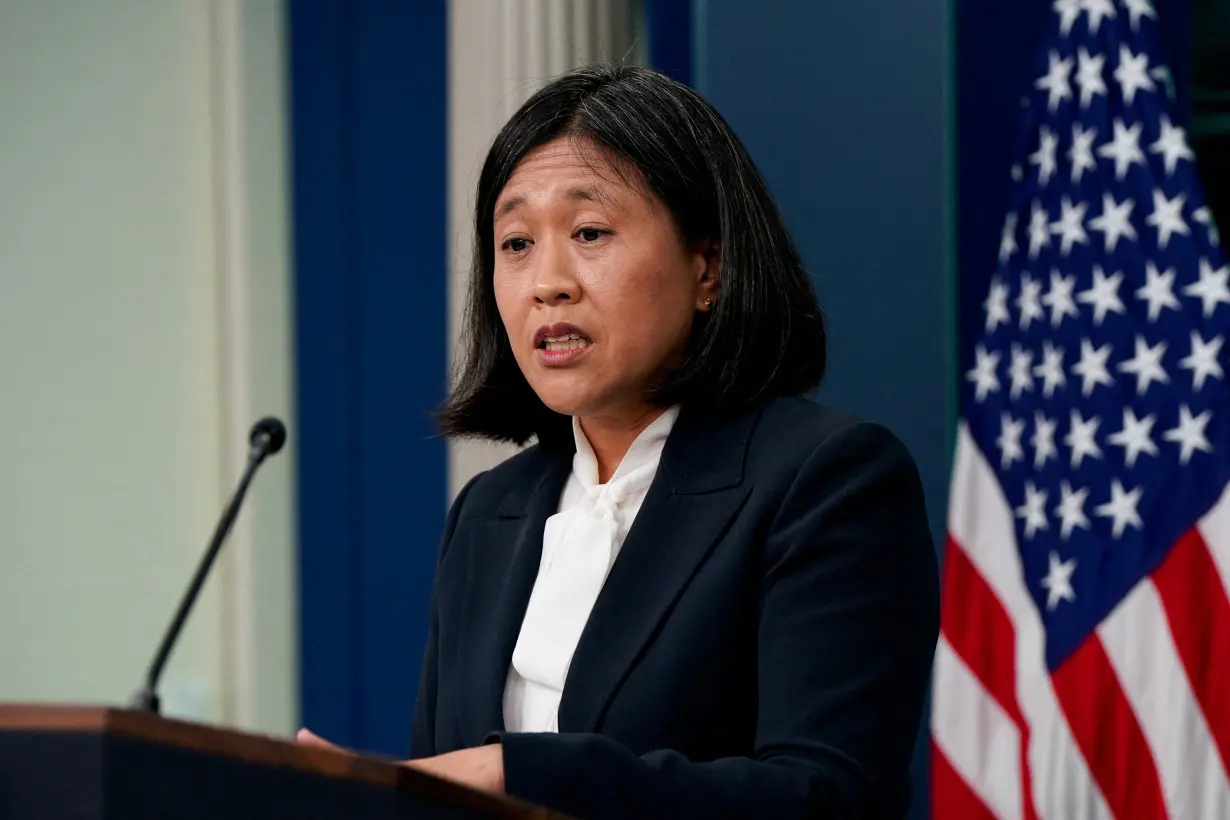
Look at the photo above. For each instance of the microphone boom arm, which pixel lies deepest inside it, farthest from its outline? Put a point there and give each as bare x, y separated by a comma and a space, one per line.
265, 441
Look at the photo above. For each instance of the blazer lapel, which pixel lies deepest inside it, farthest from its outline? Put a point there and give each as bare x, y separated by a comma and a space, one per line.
499, 579
697, 491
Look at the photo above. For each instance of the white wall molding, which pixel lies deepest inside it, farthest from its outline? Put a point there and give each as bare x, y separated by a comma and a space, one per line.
256, 571
234, 337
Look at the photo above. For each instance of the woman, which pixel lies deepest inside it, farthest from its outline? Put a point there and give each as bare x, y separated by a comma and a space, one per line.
698, 594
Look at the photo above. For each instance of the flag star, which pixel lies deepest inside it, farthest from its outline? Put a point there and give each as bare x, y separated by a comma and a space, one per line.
1059, 298
983, 374
1030, 301
1055, 82
1039, 230
1092, 367
1071, 225
1205, 217
1172, 145
1033, 510
1043, 440
1137, 9
1071, 509
1124, 148
1098, 10
1082, 438
1167, 217
1044, 157
1189, 434
1089, 75
1009, 441
1133, 73
1121, 508
1068, 11
1081, 152
1104, 295
1017, 174
1051, 369
1203, 360
996, 305
1211, 289
1158, 291
1007, 242
1134, 438
1020, 371
1115, 221
1058, 581
1146, 364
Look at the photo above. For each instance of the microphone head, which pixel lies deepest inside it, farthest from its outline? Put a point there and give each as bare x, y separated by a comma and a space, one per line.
269, 434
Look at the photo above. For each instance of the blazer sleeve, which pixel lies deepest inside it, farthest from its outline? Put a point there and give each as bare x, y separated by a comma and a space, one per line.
423, 731
849, 618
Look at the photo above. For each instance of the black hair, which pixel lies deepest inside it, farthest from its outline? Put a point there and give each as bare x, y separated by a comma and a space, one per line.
764, 335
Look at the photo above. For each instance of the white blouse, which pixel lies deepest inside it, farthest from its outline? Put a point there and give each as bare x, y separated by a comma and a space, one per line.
579, 546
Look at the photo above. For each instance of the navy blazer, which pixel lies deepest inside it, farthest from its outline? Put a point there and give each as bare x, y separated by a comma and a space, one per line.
761, 647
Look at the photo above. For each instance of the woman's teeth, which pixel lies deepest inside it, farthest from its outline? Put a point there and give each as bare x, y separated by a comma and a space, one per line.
572, 341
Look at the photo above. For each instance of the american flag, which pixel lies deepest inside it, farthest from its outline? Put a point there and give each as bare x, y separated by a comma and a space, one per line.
1083, 668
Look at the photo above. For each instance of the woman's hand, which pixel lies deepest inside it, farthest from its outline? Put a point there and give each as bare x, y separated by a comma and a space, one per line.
479, 768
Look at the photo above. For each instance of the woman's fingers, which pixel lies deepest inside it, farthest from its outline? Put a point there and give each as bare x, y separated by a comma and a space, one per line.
308, 738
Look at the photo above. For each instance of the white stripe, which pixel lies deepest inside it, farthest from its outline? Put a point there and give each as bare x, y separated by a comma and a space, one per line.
980, 520
1215, 529
1137, 640
977, 736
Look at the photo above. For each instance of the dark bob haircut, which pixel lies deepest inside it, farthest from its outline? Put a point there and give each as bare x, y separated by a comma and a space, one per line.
764, 336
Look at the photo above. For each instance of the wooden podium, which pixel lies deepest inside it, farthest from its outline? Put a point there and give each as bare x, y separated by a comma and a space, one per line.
90, 764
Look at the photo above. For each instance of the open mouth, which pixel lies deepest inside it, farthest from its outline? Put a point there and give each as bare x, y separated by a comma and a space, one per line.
561, 339
570, 341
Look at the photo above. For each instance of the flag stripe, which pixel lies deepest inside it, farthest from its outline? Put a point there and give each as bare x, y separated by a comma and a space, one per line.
1108, 733
1215, 529
1198, 612
981, 523
977, 736
979, 630
1207, 633
951, 796
1139, 647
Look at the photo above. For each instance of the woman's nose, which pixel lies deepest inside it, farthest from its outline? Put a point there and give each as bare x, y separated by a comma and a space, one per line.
556, 281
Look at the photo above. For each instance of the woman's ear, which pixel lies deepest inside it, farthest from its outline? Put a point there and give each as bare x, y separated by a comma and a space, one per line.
708, 274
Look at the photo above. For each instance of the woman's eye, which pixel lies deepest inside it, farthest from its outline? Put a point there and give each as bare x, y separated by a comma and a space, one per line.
590, 234
516, 245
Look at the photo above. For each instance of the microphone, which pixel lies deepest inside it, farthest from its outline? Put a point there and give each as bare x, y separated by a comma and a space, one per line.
267, 437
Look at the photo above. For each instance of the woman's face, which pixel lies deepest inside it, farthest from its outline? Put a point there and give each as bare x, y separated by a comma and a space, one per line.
594, 285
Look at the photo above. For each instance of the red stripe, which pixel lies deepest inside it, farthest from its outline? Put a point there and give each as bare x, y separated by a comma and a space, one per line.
980, 631
1107, 733
951, 796
1199, 616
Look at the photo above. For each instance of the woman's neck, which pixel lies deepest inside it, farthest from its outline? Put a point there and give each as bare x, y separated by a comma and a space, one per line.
610, 437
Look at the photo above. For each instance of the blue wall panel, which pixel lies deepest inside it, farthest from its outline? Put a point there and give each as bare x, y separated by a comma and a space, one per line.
844, 107
369, 93
668, 35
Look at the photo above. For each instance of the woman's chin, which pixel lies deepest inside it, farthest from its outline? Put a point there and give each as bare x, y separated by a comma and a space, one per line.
568, 395
564, 405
